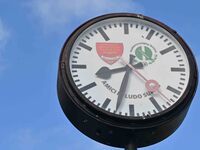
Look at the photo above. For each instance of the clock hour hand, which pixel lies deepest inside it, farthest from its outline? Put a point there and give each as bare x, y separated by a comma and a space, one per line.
105, 72
124, 84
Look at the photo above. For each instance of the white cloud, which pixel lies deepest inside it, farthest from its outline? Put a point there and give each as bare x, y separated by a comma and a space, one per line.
51, 138
56, 14
3, 35
34, 138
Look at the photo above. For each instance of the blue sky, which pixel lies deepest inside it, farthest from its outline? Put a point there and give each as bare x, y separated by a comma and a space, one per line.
32, 33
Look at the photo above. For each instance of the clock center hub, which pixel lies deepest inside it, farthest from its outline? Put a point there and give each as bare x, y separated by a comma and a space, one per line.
152, 86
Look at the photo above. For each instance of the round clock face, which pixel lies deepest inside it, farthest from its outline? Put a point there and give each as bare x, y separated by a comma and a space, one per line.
129, 67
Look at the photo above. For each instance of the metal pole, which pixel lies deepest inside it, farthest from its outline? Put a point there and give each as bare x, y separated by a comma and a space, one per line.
131, 146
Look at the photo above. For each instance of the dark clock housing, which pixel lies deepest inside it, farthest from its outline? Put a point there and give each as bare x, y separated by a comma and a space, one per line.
116, 130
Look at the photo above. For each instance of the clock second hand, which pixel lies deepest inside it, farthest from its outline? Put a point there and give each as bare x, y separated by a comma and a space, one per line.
148, 82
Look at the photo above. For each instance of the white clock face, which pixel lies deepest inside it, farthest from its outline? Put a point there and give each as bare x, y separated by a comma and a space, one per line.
129, 67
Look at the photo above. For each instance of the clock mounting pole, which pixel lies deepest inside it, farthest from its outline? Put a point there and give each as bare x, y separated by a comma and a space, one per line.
131, 146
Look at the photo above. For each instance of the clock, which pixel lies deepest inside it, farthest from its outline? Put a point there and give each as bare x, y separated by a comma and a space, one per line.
126, 80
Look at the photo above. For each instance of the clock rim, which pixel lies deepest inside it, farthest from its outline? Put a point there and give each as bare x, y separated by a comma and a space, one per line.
78, 97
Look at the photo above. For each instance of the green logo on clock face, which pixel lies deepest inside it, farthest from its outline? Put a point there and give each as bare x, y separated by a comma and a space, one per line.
144, 53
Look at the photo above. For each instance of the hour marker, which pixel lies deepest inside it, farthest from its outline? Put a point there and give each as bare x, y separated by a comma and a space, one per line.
74, 61
75, 76
106, 103
169, 43
175, 96
165, 40
104, 35
75, 57
173, 90
79, 66
168, 104
126, 29
143, 115
85, 46
84, 40
149, 36
149, 113
156, 105
79, 85
164, 106
157, 33
77, 53
89, 86
77, 80
180, 88
91, 34
169, 49
178, 69
74, 71
131, 110
87, 37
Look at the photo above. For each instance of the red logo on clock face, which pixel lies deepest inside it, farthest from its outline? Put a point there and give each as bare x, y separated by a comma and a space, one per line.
110, 52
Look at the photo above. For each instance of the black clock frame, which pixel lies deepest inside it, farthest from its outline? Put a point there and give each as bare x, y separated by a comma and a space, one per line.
115, 130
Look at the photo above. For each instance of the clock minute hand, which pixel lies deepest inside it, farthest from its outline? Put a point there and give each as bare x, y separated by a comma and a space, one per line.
105, 72
122, 89
124, 84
